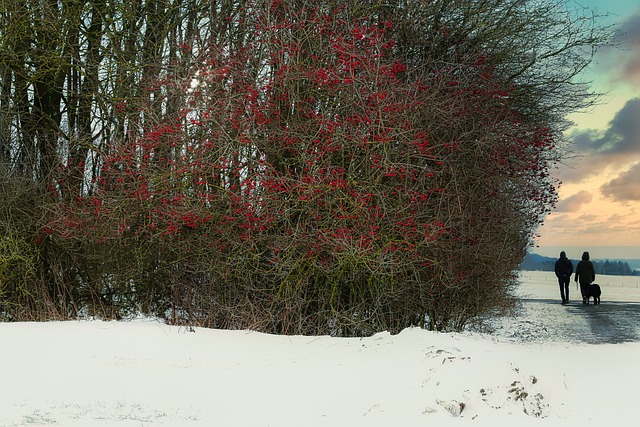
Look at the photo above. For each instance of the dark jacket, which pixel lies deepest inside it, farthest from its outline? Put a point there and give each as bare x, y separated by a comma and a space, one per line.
564, 266
585, 272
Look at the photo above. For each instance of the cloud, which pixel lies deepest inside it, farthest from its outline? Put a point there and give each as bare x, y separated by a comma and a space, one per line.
574, 202
595, 151
625, 187
591, 230
628, 34
622, 62
621, 138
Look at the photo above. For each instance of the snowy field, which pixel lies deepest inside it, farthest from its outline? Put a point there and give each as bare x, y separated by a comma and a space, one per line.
145, 373
545, 320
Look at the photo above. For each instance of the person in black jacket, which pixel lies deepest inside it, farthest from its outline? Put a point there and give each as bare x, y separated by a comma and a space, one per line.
585, 275
564, 270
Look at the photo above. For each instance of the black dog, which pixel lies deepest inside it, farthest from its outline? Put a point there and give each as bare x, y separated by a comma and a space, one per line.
595, 292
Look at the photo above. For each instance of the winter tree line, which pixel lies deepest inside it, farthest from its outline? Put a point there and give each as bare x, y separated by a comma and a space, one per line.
289, 166
607, 267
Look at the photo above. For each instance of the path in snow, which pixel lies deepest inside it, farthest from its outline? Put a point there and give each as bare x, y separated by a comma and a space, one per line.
543, 319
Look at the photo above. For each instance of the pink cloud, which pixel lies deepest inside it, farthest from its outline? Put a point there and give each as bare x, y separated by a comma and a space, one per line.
625, 187
574, 202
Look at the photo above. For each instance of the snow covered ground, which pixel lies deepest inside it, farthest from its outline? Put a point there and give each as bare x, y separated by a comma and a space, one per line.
145, 373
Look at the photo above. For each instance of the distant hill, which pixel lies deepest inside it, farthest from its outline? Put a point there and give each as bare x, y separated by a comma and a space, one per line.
535, 262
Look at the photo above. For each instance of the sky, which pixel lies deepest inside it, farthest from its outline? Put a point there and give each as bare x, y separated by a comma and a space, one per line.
145, 373
599, 198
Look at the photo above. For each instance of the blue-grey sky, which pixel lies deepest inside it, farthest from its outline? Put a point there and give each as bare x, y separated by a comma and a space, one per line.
600, 196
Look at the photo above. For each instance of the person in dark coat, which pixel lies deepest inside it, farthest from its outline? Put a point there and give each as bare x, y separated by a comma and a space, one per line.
585, 275
564, 270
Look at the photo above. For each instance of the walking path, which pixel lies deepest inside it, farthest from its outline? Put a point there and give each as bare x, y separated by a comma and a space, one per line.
544, 319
